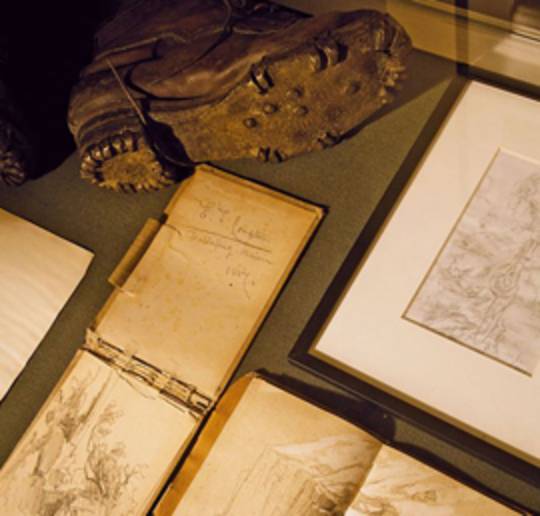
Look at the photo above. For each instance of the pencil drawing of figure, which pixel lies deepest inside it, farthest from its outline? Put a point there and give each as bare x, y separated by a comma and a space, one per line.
306, 479
49, 477
483, 291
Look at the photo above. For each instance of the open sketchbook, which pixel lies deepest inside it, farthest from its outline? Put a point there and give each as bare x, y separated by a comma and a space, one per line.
38, 273
266, 452
191, 293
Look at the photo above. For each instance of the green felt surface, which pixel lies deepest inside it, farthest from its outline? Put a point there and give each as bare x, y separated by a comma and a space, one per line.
348, 179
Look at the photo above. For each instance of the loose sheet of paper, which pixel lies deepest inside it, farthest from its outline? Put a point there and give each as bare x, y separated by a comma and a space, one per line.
38, 273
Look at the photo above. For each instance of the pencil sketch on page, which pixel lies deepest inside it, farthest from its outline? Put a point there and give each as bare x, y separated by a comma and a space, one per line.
399, 485
483, 291
308, 479
69, 466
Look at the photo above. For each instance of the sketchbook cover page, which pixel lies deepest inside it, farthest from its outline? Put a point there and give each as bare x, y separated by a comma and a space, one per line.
295, 458
102, 444
194, 301
38, 273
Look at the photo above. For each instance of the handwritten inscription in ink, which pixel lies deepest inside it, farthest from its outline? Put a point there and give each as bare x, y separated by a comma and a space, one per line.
236, 245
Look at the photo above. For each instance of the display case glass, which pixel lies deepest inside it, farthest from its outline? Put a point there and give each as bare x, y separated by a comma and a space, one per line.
497, 38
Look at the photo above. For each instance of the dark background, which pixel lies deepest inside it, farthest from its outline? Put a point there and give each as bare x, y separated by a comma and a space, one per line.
44, 45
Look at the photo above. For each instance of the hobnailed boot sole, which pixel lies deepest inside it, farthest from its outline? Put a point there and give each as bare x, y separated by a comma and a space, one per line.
123, 158
14, 151
300, 103
303, 100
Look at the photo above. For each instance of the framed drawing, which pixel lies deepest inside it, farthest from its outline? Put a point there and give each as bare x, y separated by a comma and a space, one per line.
439, 317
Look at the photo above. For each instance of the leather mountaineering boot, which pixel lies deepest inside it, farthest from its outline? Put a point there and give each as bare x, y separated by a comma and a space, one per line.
178, 82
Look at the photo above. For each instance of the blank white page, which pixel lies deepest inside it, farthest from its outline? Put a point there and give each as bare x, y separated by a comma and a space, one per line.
38, 273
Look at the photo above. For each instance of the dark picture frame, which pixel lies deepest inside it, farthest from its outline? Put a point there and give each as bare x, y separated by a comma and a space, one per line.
393, 404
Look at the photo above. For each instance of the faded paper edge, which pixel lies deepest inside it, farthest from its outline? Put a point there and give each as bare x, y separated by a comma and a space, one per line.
247, 183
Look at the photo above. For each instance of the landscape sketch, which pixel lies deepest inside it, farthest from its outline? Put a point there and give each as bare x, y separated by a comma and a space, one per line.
398, 485
90, 452
305, 479
275, 455
483, 290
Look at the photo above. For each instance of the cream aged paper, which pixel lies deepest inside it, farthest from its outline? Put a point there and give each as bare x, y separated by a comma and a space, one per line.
38, 273
398, 485
199, 293
266, 452
98, 447
278, 456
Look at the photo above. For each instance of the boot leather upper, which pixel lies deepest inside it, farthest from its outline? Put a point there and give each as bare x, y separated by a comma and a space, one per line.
153, 43
183, 50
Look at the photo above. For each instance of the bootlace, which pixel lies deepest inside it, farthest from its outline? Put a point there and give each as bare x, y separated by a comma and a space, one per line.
152, 138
